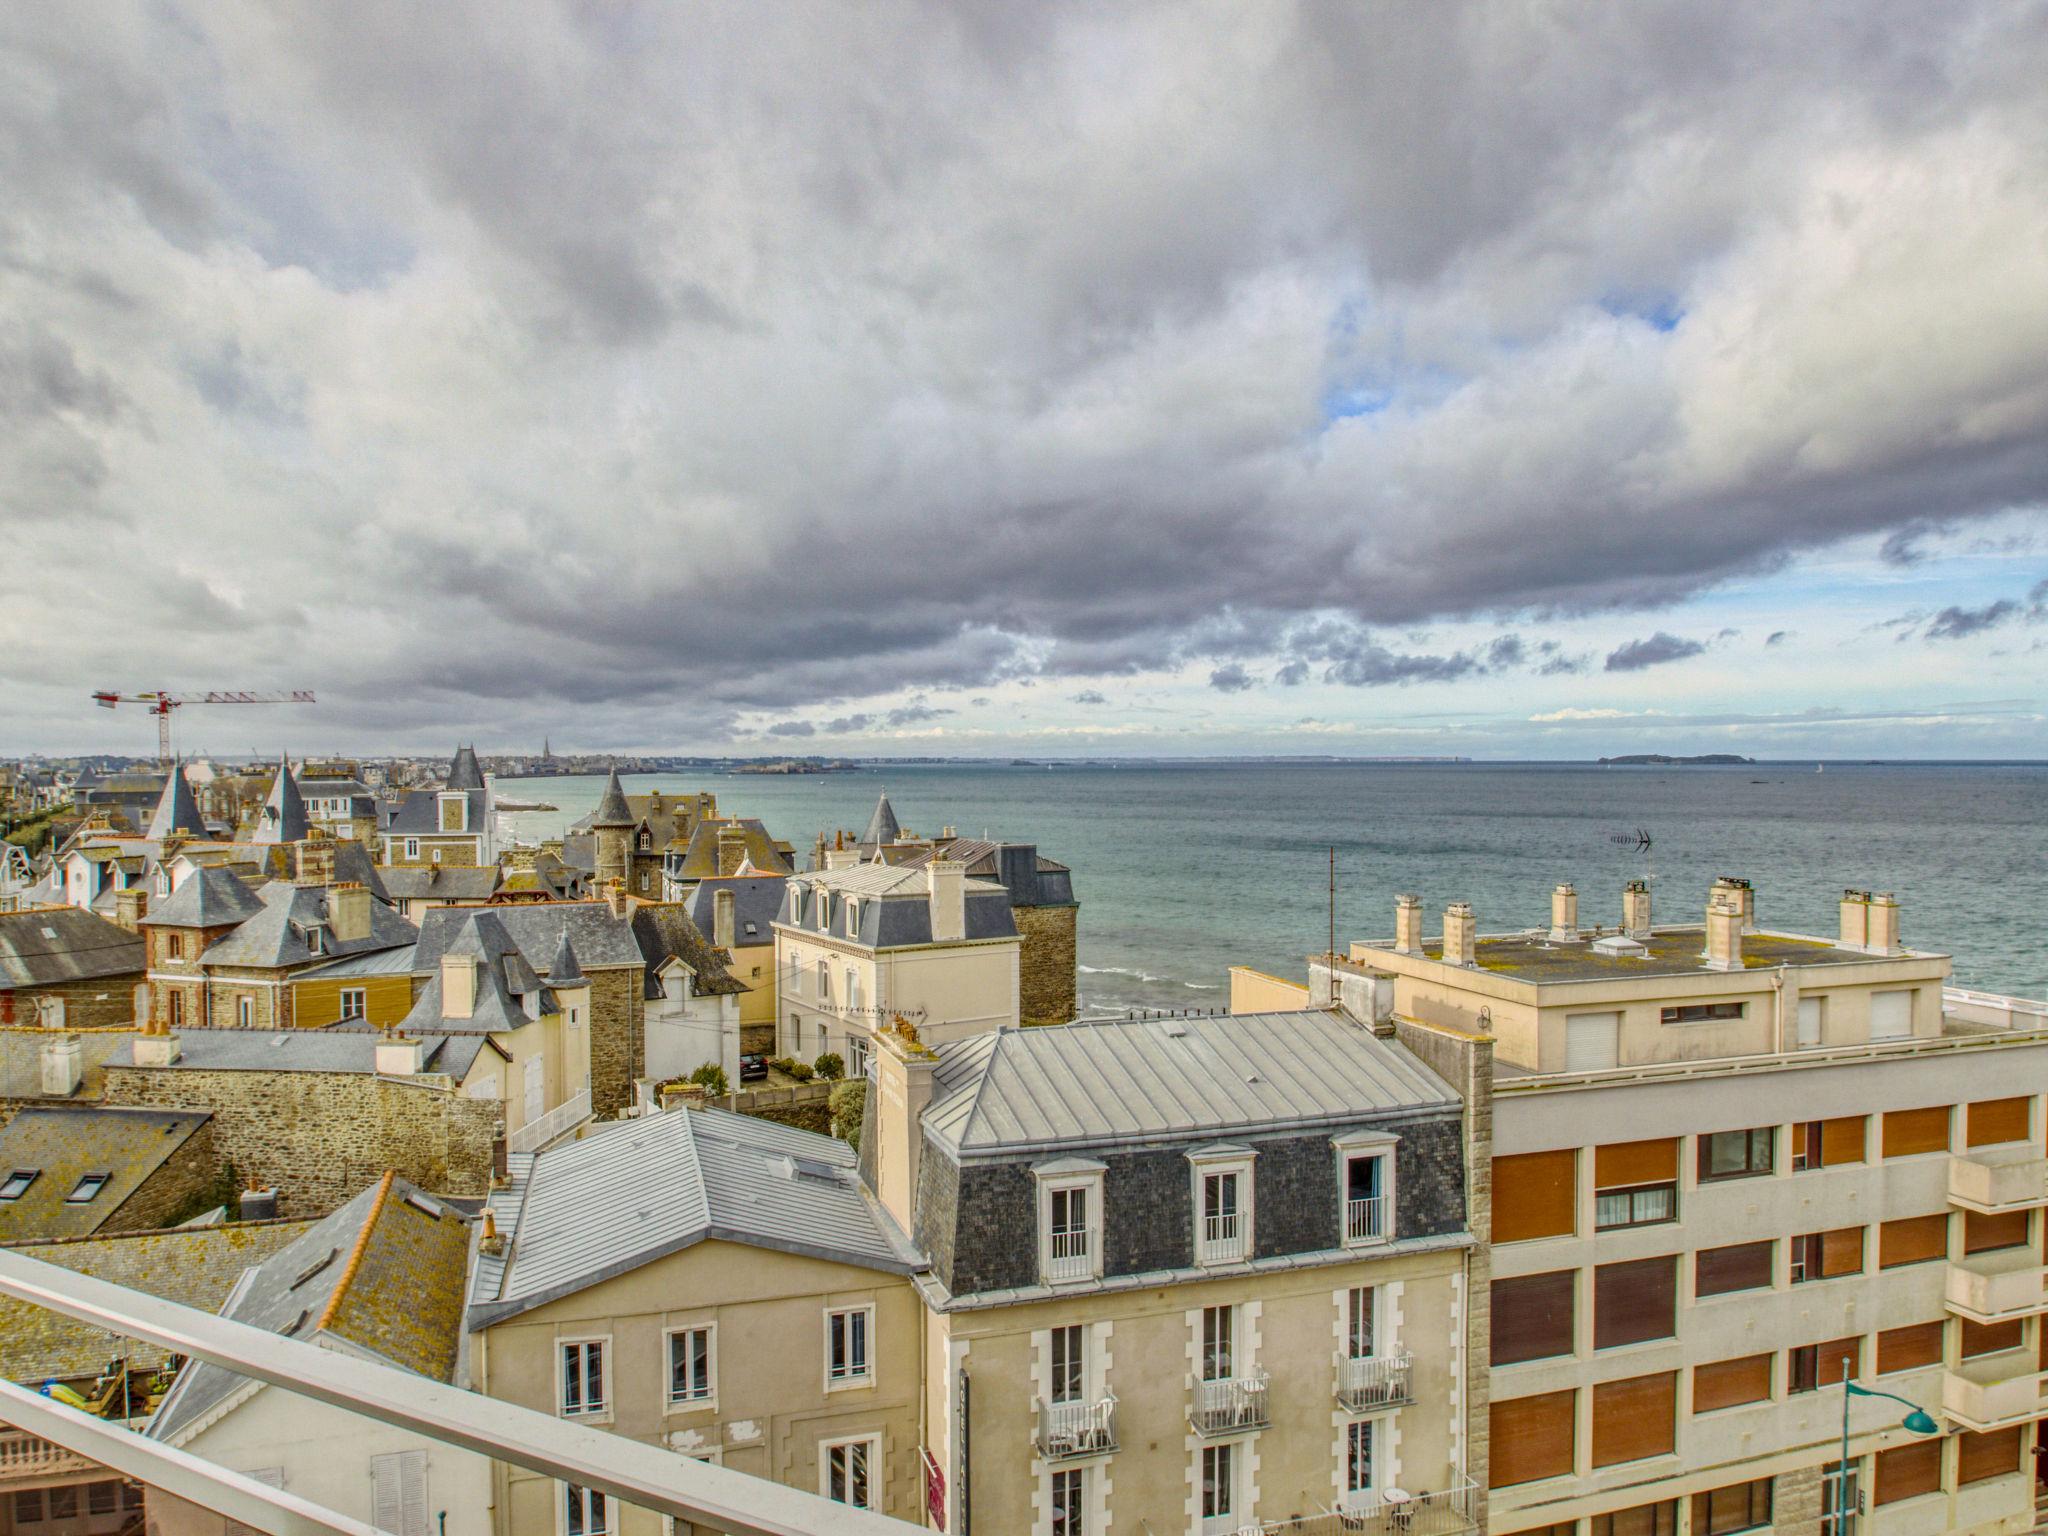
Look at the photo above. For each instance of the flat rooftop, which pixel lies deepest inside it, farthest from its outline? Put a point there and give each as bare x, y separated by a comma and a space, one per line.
1667, 952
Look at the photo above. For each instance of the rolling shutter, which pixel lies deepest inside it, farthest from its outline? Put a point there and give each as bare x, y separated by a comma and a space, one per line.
1991, 1121
1991, 1338
1620, 1164
1841, 1141
1993, 1454
1535, 1195
1740, 1267
1911, 1131
1841, 1252
1591, 1041
1532, 1316
1912, 1240
1981, 1233
1906, 1471
1632, 1419
1635, 1301
1726, 1383
1532, 1438
1901, 1349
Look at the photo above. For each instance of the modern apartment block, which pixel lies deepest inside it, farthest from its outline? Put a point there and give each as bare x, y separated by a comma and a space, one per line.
1730, 1167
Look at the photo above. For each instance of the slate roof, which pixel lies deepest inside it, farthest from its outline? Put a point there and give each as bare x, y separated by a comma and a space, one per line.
882, 826
1029, 876
45, 946
505, 977
385, 1274
283, 817
612, 810
440, 882
465, 772
418, 814
565, 971
376, 962
280, 934
600, 938
62, 1146
638, 1190
1132, 1080
177, 812
310, 1050
895, 906
210, 897
699, 860
352, 861
756, 904
664, 815
196, 1266
664, 929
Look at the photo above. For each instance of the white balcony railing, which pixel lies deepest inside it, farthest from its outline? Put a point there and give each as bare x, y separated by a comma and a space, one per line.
550, 1127
1069, 1257
1375, 1381
1445, 1513
1076, 1428
24, 1456
1365, 1221
1234, 1403
1223, 1238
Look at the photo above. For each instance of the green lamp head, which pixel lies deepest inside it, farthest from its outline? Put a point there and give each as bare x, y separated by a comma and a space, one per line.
1920, 1423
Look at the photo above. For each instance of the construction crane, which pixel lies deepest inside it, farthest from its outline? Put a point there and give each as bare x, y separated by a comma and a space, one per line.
161, 704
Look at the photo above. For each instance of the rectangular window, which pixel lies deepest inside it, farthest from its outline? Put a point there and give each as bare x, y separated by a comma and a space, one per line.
1069, 1363
1366, 1216
1702, 1013
1827, 1255
1811, 1025
690, 1366
846, 1344
585, 1512
1635, 1302
1222, 1237
87, 1188
1991, 1121
16, 1184
583, 1378
354, 1004
1891, 1015
1731, 1383
1069, 1255
1912, 1240
1361, 1336
1983, 1234
1841, 1497
1633, 1419
1910, 1132
1827, 1143
1738, 1267
1907, 1471
398, 1493
245, 1012
1532, 1438
1218, 1494
824, 982
849, 1472
1216, 1352
1635, 1183
1535, 1194
1069, 1507
1643, 1520
1813, 1366
176, 1001
1738, 1154
1991, 1338
1904, 1349
412, 847
1358, 1457
1533, 1316
1995, 1453
1738, 1507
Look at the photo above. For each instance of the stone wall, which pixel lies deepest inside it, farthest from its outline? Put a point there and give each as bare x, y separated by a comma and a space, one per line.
618, 1037
270, 1006
102, 1003
1046, 964
173, 1193
319, 1137
21, 1062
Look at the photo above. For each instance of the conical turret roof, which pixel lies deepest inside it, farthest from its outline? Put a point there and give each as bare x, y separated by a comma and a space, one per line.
565, 972
283, 817
177, 813
612, 810
883, 826
465, 772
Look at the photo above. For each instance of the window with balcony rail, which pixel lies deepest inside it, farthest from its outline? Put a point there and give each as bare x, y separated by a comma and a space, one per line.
1069, 1220
1223, 1224
1368, 1204
1072, 1256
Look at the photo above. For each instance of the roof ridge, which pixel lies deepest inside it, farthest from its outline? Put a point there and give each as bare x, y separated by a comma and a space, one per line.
355, 1254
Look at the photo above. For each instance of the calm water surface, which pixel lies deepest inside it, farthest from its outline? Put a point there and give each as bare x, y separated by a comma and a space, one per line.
1184, 870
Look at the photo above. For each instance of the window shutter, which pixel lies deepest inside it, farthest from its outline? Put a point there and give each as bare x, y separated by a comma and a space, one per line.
1635, 1301
1532, 1437
1828, 1359
1632, 1419
1912, 1240
1841, 1252
1841, 1141
1991, 1338
1991, 1121
1908, 1470
1901, 1349
1622, 1163
398, 1493
1740, 1267
1911, 1131
1725, 1383
1993, 1454
1532, 1316
1535, 1194
1981, 1234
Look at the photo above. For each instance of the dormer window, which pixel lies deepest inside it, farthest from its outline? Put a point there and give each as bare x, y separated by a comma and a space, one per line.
16, 1184
646, 840
852, 917
1069, 1219
1223, 1203
87, 1188
1365, 1187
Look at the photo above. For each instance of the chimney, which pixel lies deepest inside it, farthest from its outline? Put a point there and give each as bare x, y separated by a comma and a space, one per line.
841, 858
1724, 931
732, 848
1564, 915
63, 1067
947, 882
1461, 933
1635, 909
348, 911
258, 1205
721, 919
398, 1056
490, 1240
1017, 868
902, 1067
1744, 897
1855, 919
316, 862
501, 1160
129, 907
654, 801
458, 986
1408, 924
155, 1049
615, 898
1884, 924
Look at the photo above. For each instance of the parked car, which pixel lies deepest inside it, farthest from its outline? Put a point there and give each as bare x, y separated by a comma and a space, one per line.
753, 1068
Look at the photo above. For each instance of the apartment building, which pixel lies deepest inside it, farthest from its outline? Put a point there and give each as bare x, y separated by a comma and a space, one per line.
1731, 1168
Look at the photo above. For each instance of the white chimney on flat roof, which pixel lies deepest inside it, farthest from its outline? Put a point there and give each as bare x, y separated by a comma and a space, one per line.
1564, 915
1855, 919
1724, 932
1884, 924
1408, 924
1461, 935
1635, 909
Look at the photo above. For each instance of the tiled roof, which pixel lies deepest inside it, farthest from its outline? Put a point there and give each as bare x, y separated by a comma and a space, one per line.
47, 945
177, 812
440, 882
700, 858
600, 938
63, 1146
504, 979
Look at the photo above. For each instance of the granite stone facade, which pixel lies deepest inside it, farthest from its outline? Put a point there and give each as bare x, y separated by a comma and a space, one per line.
1046, 963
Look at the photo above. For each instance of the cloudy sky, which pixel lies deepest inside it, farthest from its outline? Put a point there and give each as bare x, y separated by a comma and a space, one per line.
1530, 380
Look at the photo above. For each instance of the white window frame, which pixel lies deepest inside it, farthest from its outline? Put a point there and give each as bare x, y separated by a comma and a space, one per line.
825, 983
1378, 1311
1205, 1163
412, 847
709, 1399
361, 995
1225, 1519
1362, 1494
608, 1523
1063, 1175
852, 989
872, 1445
865, 1377
1356, 1146
245, 1011
1076, 1479
1232, 1325
602, 1413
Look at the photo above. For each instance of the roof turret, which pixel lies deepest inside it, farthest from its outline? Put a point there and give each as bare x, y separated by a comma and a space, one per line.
465, 772
565, 972
612, 810
177, 812
883, 826
283, 817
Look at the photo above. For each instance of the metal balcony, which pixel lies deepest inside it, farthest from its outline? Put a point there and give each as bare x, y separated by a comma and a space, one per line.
1375, 1381
1225, 1407
25, 1457
1223, 1239
1998, 1179
1068, 1256
1446, 1513
1066, 1430
1995, 1287
1367, 1220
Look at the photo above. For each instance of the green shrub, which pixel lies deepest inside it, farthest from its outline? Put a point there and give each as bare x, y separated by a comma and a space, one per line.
848, 1103
831, 1066
800, 1070
783, 1064
711, 1077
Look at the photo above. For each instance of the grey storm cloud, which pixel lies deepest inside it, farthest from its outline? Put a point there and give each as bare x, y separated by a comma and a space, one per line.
1654, 651
1231, 678
1778, 637
792, 728
1088, 696
649, 370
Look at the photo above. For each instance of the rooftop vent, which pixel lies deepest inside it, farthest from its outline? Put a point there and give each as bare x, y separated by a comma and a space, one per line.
1621, 946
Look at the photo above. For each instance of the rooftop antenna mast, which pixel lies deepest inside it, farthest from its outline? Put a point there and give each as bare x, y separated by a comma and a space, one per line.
1333, 903
1640, 840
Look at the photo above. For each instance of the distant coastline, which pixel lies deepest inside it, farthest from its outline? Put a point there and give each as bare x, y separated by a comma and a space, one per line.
1659, 760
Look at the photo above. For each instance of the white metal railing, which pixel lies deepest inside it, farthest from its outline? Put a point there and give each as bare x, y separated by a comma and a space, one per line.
1996, 1008
31, 1456
1448, 1512
1068, 1256
1223, 1238
556, 1123
1077, 1428
1365, 1221
1236, 1402
1375, 1381
649, 1477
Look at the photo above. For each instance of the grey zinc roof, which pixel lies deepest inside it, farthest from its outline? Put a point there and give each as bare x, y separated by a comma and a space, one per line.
375, 962
641, 1189
756, 899
1091, 1084
465, 772
283, 817
278, 935
210, 897
418, 814
46, 945
895, 906
176, 811
612, 810
310, 1050
440, 882
600, 938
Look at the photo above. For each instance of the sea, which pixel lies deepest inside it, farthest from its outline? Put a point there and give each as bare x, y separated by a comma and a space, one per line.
1185, 869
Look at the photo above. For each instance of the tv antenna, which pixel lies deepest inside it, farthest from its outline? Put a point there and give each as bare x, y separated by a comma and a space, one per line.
1642, 842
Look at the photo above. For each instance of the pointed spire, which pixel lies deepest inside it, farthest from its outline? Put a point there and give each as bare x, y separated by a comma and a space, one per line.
612, 810
565, 972
283, 817
883, 826
177, 813
465, 772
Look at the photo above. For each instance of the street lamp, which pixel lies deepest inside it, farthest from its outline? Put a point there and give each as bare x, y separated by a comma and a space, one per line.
1918, 1420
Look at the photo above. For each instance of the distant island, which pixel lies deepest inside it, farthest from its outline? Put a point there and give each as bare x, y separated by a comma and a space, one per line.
1659, 760
797, 765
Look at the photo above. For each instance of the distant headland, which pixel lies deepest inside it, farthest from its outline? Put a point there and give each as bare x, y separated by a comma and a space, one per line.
1659, 760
